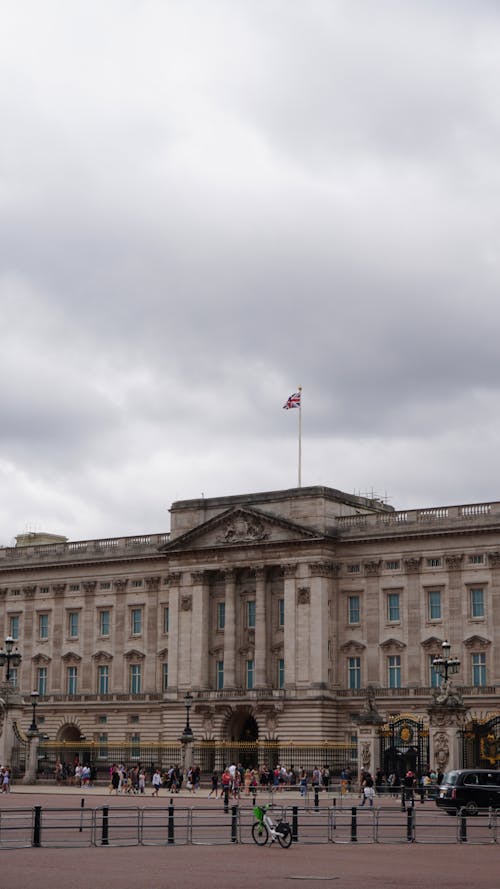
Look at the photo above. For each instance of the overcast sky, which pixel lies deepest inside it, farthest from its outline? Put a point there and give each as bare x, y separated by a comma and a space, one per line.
204, 204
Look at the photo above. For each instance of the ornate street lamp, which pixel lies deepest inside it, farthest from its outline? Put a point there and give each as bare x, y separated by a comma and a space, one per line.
187, 734
34, 701
9, 655
446, 665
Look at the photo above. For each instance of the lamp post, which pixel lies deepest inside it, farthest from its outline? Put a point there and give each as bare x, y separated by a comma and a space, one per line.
9, 655
187, 734
34, 701
446, 665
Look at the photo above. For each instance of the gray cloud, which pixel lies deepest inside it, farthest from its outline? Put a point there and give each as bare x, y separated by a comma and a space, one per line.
201, 208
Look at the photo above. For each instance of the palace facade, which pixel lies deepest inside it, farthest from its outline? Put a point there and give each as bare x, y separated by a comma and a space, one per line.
275, 610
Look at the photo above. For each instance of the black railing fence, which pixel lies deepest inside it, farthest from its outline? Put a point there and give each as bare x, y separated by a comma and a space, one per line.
181, 825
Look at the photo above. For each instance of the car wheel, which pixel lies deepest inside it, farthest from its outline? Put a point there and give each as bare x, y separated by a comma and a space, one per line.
471, 808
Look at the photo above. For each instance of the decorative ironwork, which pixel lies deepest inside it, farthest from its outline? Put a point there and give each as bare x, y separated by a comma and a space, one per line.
481, 744
404, 745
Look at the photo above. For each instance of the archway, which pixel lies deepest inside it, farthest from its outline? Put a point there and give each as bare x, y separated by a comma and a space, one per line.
242, 733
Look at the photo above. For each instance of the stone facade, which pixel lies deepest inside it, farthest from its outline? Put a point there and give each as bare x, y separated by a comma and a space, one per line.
279, 607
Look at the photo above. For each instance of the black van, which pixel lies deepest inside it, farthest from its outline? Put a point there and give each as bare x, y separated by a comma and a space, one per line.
471, 789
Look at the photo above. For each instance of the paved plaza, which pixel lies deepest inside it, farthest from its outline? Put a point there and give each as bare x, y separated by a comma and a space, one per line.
406, 866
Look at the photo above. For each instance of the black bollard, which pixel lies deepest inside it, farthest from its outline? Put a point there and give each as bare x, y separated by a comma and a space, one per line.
354, 824
170, 832
295, 824
316, 798
463, 827
234, 824
226, 799
82, 804
37, 826
105, 826
409, 824
403, 800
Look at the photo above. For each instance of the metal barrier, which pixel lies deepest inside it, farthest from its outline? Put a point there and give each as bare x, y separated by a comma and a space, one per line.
16, 828
117, 826
206, 825
166, 826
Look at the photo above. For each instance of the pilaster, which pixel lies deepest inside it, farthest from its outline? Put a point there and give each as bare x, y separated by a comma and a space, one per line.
200, 627
230, 629
261, 673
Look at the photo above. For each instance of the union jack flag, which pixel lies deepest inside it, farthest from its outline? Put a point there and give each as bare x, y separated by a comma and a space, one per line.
292, 401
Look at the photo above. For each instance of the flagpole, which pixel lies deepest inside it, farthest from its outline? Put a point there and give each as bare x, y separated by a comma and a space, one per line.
300, 436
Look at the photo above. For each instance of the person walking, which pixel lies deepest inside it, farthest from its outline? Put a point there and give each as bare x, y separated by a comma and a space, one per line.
368, 789
156, 782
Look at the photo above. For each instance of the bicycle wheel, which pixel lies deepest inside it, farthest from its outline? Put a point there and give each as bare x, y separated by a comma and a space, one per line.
286, 840
260, 833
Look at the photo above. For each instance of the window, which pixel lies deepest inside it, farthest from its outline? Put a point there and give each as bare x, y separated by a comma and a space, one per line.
104, 623
354, 671
135, 679
74, 587
41, 680
45, 589
103, 679
250, 673
221, 615
392, 565
353, 611
434, 597
479, 669
476, 559
393, 607
43, 626
105, 585
434, 676
72, 680
13, 677
354, 569
433, 562
164, 676
14, 626
394, 671
73, 625
102, 720
281, 612
102, 751
136, 621
251, 614
166, 619
477, 602
219, 678
137, 583
281, 672
135, 741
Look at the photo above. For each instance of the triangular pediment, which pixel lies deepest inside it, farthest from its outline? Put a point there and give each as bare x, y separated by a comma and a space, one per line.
241, 527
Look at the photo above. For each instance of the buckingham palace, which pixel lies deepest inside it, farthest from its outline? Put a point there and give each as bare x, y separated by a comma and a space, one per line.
275, 611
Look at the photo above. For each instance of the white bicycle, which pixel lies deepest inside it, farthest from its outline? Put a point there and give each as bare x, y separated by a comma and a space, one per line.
265, 827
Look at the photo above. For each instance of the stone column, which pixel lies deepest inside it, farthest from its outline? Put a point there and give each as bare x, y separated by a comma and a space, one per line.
446, 722
200, 627
32, 760
494, 622
373, 623
320, 574
413, 664
58, 635
173, 581
151, 634
455, 601
122, 632
368, 747
290, 627
261, 677
88, 617
29, 628
230, 629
